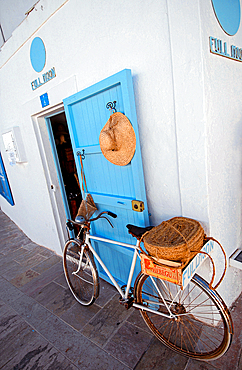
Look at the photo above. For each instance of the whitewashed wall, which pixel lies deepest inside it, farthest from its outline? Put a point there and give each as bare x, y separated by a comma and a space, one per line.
18, 10
187, 103
223, 111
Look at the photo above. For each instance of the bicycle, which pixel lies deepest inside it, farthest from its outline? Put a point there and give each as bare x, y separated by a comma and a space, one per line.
194, 321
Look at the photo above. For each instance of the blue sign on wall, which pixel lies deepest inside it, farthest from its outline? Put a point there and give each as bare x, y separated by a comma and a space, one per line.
228, 15
44, 100
38, 61
37, 54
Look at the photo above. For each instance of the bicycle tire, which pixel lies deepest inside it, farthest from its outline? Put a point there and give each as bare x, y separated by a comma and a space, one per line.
84, 285
203, 327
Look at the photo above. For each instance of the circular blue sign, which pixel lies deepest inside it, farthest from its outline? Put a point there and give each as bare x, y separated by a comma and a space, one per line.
228, 15
37, 54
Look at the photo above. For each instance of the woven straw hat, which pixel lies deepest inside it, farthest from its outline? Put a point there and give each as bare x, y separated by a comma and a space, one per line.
117, 140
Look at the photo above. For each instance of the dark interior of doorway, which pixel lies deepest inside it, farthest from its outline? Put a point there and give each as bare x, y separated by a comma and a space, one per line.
67, 162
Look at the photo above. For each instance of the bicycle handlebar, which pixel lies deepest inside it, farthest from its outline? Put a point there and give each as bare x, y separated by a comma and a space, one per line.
112, 214
82, 221
100, 216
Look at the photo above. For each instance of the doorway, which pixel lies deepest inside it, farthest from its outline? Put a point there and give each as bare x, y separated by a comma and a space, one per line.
65, 157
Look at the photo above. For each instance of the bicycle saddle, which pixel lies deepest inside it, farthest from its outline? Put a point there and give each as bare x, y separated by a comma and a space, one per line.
137, 231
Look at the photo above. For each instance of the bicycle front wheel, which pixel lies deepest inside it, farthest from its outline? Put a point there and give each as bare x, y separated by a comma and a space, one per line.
201, 326
80, 272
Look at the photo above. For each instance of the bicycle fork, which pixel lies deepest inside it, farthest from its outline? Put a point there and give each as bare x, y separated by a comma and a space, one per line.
80, 260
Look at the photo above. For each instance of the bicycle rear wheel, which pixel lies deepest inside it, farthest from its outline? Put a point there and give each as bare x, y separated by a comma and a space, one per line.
81, 275
202, 326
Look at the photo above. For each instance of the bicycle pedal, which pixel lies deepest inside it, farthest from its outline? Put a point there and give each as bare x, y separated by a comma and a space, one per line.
127, 303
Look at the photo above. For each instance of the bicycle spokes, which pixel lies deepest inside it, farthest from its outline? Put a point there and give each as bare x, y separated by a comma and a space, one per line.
194, 322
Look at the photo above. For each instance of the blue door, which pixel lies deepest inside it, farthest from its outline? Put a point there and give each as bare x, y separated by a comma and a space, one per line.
112, 187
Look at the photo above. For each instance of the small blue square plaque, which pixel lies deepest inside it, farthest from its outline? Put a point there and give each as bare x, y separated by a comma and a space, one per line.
44, 100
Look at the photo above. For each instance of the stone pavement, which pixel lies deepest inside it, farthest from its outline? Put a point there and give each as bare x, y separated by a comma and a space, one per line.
43, 327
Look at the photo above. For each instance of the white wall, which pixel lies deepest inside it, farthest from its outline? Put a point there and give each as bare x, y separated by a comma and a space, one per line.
12, 13
187, 103
224, 138
96, 48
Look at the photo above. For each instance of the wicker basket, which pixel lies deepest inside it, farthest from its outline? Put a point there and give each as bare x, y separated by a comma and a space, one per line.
87, 207
175, 239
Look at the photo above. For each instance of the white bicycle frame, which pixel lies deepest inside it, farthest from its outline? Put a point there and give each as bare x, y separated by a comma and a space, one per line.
125, 295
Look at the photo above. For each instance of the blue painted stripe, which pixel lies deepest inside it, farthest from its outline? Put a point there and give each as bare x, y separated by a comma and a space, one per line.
5, 190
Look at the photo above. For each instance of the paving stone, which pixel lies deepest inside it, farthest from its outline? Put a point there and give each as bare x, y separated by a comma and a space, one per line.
95, 358
4, 307
13, 272
61, 280
128, 344
40, 355
12, 255
46, 264
4, 244
10, 321
24, 259
203, 365
20, 240
61, 303
2, 303
56, 298
8, 266
22, 347
8, 247
34, 260
45, 252
42, 280
107, 291
106, 322
9, 256
136, 319
5, 260
24, 278
14, 334
19, 252
15, 238
9, 234
31, 246
78, 349
158, 356
8, 292
5, 311
30, 310
78, 316
7, 226
4, 218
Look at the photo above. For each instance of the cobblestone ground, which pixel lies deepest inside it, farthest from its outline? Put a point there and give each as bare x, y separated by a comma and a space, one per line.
43, 327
